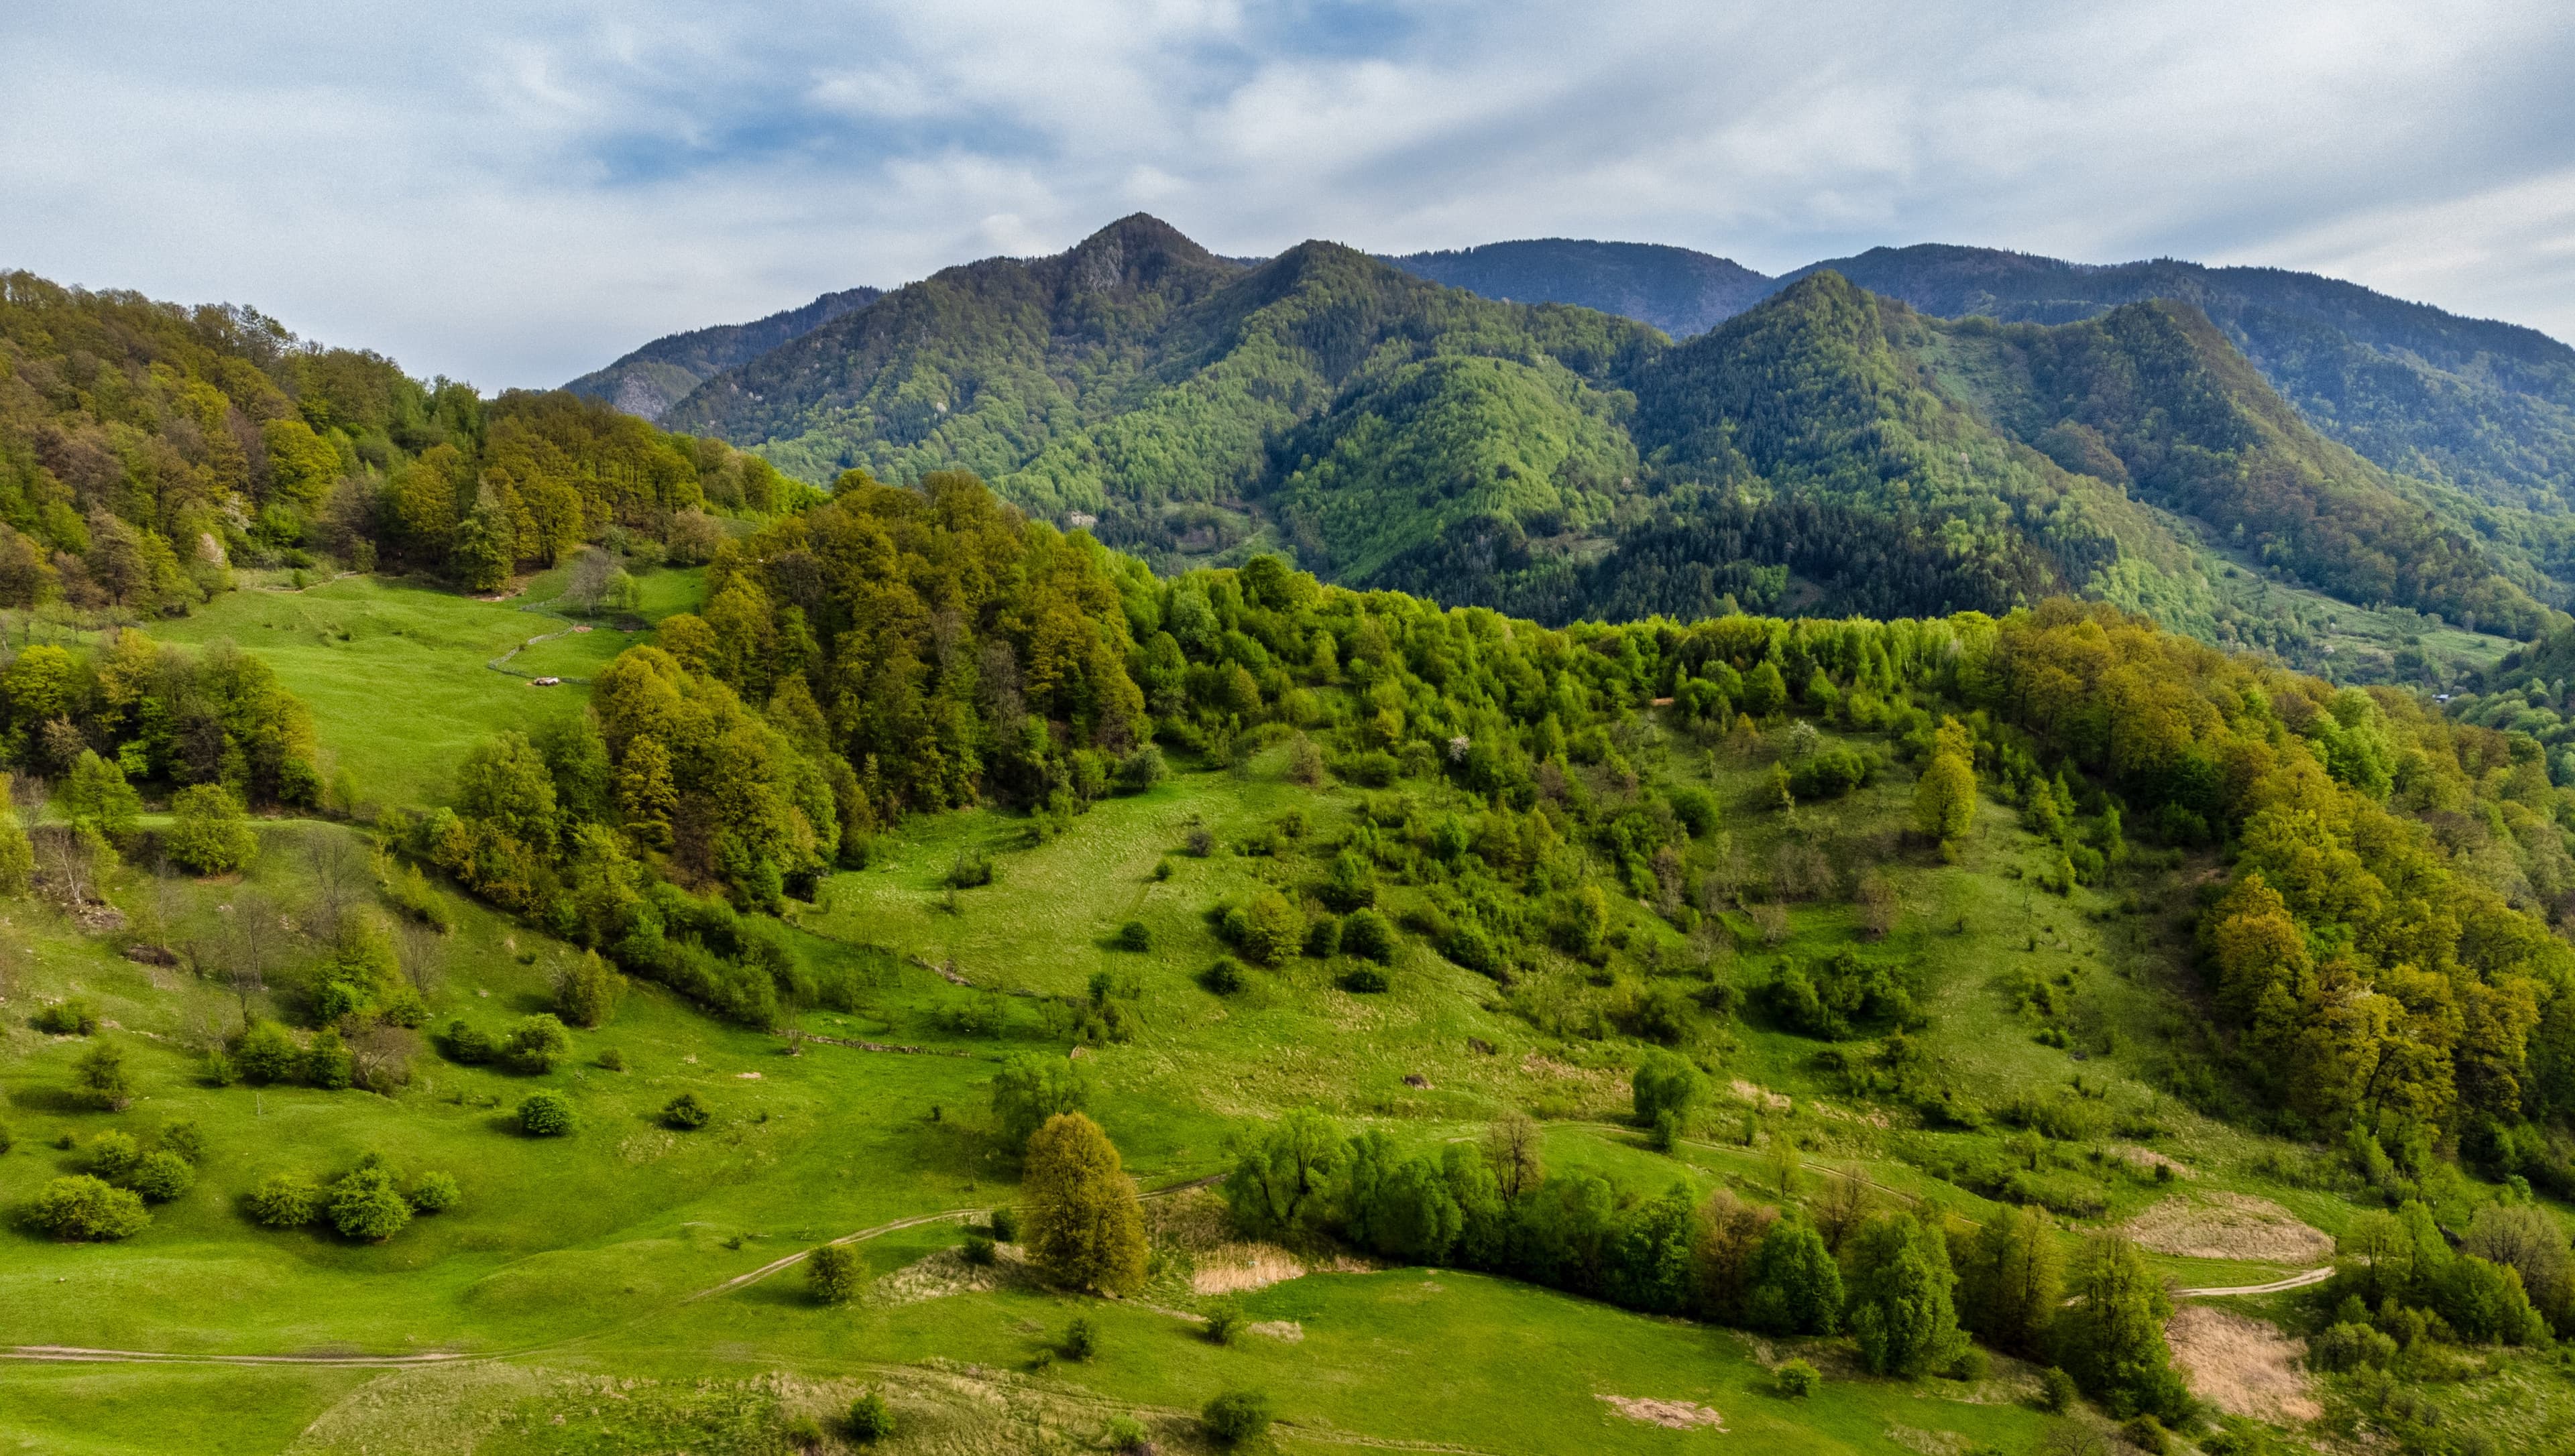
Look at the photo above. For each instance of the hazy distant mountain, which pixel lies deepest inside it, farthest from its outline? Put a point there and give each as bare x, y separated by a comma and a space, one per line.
1675, 289
659, 375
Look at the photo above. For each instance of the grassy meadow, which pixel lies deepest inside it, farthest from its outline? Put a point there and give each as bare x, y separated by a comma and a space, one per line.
577, 1271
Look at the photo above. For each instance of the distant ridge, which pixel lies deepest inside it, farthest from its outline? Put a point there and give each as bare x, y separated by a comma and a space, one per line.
651, 380
1676, 290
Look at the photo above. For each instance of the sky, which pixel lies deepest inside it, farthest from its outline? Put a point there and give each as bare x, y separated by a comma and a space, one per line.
514, 192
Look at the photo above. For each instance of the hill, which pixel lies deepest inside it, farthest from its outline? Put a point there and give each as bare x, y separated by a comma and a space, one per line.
1675, 289
650, 380
1579, 997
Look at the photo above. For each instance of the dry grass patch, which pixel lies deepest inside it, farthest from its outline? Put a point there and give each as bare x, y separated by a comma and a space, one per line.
947, 1272
2242, 1366
1242, 1267
1677, 1415
2230, 1226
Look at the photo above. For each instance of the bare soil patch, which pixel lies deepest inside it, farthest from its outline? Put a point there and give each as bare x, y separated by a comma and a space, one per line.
1677, 1415
947, 1272
2230, 1226
2242, 1366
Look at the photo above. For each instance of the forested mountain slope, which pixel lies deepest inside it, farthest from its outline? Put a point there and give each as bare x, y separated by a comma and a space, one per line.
657, 376
1678, 289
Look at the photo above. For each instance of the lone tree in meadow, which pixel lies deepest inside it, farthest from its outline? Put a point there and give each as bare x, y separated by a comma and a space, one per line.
208, 832
1082, 1224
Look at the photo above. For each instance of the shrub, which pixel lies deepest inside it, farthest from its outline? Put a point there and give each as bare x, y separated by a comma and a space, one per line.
266, 1053
1664, 1082
1364, 980
113, 1154
587, 992
327, 1063
1266, 929
434, 1193
2056, 1391
1832, 774
84, 1208
162, 1176
1134, 936
73, 1016
970, 871
2348, 1347
684, 1112
1324, 939
1236, 1416
469, 1045
1124, 1433
868, 1418
1797, 1379
612, 1059
1141, 770
1081, 1340
284, 1200
365, 1204
1223, 1322
804, 1433
537, 1044
2146, 1434
208, 832
831, 1272
1367, 935
978, 1249
1972, 1363
182, 1139
101, 1073
1222, 978
546, 1114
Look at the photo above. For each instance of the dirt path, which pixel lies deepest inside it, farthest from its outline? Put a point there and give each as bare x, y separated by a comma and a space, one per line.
2295, 1281
75, 1354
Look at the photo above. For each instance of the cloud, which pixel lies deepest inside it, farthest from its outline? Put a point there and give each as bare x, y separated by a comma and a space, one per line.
516, 193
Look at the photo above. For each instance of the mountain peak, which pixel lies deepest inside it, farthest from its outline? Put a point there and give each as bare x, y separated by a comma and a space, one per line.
1137, 250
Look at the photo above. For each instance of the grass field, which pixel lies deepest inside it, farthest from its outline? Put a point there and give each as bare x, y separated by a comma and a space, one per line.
569, 1269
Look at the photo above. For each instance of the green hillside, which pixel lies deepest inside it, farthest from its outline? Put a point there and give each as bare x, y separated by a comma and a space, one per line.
1824, 451
1520, 1040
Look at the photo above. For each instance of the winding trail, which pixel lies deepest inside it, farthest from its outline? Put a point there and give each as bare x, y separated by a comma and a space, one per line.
2299, 1280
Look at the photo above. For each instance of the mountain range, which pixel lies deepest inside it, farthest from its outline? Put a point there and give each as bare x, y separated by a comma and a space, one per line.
1905, 431
654, 377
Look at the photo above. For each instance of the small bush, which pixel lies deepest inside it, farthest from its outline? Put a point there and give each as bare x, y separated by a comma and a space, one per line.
2056, 1391
1200, 844
1223, 1323
1972, 1363
1222, 978
208, 832
74, 1016
1134, 936
1324, 937
2146, 1434
365, 1205
83, 1207
161, 1176
868, 1418
537, 1044
612, 1059
328, 1063
434, 1193
804, 1433
1081, 1340
469, 1045
546, 1114
284, 1200
586, 993
1005, 1224
1797, 1379
1141, 770
1236, 1416
113, 1154
970, 871
2350, 1346
182, 1139
1124, 1433
979, 1248
1367, 935
685, 1113
831, 1272
1364, 980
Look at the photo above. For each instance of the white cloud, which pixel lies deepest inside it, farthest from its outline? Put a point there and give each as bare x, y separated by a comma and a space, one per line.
515, 193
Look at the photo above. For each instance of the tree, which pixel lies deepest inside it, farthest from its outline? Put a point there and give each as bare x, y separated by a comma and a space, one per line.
2111, 1338
1032, 1087
2525, 1238
208, 832
101, 1075
1724, 1253
1367, 935
1083, 1227
504, 783
1944, 801
1665, 1084
1901, 1297
586, 994
265, 1053
831, 1272
2009, 1282
1796, 1287
1267, 929
870, 1420
95, 798
86, 1208
366, 1205
1281, 1183
1514, 1147
546, 1114
17, 856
